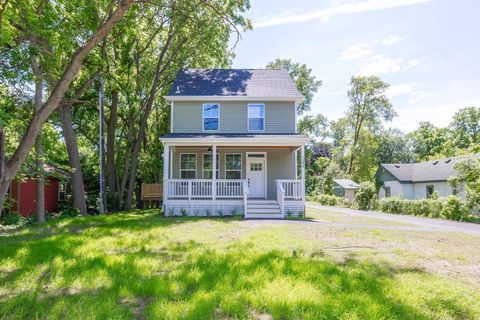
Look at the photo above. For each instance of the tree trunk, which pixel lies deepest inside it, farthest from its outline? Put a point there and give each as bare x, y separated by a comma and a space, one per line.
56, 96
40, 174
148, 108
111, 128
2, 162
73, 160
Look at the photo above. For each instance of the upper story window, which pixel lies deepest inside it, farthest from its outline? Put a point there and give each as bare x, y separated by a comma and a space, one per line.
211, 117
256, 117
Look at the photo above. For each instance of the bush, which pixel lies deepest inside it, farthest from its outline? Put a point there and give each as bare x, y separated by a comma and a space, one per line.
451, 208
455, 209
328, 200
13, 219
366, 195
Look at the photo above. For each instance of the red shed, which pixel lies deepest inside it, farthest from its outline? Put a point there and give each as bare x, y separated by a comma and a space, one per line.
24, 192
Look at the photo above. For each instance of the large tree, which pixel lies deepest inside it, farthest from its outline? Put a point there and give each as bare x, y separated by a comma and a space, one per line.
22, 20
369, 106
307, 84
466, 127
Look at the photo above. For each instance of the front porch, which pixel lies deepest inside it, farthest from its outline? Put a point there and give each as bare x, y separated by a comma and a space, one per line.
257, 181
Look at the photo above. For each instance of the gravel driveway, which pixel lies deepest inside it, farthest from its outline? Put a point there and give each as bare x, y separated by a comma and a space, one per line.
422, 223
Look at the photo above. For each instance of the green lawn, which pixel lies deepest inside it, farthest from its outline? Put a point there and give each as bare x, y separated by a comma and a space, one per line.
141, 265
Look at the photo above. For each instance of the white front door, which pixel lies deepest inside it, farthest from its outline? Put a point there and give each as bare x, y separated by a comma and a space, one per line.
256, 177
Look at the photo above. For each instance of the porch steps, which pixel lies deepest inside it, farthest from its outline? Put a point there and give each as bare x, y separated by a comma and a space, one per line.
263, 209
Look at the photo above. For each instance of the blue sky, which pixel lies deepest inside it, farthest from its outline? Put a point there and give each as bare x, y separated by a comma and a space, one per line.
427, 50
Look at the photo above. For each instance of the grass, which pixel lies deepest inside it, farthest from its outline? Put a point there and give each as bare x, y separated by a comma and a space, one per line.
141, 265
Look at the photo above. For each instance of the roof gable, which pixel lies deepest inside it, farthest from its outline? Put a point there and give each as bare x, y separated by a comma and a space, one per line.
234, 83
435, 170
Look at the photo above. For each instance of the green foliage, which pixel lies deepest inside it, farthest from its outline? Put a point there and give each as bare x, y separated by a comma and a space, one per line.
320, 175
451, 208
468, 176
307, 84
465, 127
314, 126
13, 219
429, 140
334, 201
366, 195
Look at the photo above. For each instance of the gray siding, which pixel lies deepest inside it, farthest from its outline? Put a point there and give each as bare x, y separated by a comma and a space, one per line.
280, 164
279, 116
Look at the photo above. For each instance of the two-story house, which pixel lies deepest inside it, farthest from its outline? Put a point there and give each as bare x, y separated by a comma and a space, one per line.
233, 144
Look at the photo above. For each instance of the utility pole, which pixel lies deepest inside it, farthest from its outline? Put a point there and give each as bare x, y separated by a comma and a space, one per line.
101, 207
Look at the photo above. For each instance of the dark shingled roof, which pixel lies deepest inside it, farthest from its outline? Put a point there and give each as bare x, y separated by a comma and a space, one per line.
234, 82
435, 170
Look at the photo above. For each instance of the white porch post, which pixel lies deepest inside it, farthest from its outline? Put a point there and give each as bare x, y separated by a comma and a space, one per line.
303, 171
166, 165
214, 172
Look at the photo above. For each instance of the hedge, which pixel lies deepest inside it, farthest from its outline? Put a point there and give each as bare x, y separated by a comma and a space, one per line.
451, 208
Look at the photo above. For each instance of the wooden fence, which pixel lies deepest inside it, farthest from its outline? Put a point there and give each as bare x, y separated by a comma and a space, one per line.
152, 191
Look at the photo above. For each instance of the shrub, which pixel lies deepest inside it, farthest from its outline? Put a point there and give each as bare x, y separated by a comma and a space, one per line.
328, 200
366, 195
455, 209
13, 219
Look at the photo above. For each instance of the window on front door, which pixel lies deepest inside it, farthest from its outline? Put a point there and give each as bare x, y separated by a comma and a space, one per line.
256, 117
211, 115
208, 166
233, 166
188, 166
430, 190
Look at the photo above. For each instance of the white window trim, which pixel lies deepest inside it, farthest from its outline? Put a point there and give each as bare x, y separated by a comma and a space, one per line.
248, 116
241, 164
203, 162
180, 165
203, 116
60, 183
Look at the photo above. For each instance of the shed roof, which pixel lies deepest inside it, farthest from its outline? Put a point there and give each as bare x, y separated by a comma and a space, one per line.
346, 183
234, 83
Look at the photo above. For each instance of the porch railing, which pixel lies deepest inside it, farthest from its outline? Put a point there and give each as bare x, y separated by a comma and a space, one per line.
280, 197
203, 188
293, 189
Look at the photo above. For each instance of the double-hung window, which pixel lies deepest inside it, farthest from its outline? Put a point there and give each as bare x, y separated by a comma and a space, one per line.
62, 191
256, 117
211, 117
233, 166
208, 166
188, 166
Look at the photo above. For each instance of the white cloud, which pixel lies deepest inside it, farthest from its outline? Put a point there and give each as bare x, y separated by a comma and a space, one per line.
380, 64
391, 40
337, 10
408, 89
356, 51
398, 89
413, 63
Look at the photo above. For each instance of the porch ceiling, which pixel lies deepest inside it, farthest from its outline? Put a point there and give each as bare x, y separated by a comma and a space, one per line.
236, 140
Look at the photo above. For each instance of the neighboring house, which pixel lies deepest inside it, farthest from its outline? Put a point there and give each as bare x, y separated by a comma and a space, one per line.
345, 188
23, 193
417, 180
247, 119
